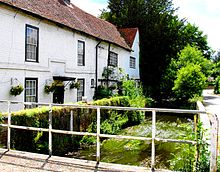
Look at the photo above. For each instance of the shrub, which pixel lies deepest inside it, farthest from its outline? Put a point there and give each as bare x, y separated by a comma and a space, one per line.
102, 92
217, 85
184, 159
112, 121
190, 82
84, 119
38, 141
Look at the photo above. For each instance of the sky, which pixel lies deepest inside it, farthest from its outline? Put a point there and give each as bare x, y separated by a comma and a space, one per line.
203, 13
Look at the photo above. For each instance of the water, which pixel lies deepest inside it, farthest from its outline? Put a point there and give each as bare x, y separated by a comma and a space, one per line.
135, 152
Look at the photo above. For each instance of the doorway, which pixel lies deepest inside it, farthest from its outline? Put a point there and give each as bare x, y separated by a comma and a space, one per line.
58, 95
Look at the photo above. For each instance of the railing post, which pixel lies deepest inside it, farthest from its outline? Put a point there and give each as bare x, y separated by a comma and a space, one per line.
98, 136
196, 120
9, 129
214, 142
153, 140
50, 130
71, 120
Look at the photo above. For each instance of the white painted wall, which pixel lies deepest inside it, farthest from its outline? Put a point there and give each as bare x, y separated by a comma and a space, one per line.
57, 56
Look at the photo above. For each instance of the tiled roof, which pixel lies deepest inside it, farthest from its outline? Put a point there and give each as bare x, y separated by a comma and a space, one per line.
72, 17
129, 35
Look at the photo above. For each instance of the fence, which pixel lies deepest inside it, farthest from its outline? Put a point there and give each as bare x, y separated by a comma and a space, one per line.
98, 135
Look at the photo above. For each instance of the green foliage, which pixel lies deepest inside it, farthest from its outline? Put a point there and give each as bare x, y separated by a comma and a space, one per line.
218, 161
16, 90
184, 159
113, 121
51, 88
217, 85
102, 92
75, 85
192, 55
189, 56
38, 141
190, 82
136, 152
131, 89
162, 36
1, 117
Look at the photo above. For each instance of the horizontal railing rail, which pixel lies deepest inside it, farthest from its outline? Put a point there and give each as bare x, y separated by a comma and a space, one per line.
98, 135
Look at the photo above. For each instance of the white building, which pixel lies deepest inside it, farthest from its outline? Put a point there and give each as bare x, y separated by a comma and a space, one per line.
46, 40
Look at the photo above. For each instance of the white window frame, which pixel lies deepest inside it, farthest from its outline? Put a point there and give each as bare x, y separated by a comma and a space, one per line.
113, 59
132, 62
31, 91
31, 43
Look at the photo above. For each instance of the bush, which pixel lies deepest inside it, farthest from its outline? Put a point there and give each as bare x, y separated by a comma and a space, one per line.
38, 141
184, 159
113, 121
217, 85
84, 120
102, 92
190, 82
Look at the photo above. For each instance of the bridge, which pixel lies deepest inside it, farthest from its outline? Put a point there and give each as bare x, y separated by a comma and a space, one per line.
11, 160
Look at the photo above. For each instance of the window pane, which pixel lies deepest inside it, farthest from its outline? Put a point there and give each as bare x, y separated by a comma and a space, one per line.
80, 90
132, 62
31, 43
30, 90
81, 53
113, 59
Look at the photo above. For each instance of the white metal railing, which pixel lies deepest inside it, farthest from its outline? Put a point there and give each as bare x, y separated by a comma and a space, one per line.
98, 135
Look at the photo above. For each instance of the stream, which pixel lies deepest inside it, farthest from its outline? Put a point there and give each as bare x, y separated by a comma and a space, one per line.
135, 152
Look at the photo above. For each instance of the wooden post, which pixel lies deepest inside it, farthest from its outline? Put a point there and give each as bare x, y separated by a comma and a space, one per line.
50, 130
9, 129
153, 140
98, 136
214, 142
71, 120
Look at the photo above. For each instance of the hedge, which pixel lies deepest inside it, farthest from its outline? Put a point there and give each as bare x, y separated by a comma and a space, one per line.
84, 120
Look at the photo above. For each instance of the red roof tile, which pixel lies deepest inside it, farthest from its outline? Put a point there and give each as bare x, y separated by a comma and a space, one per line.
72, 17
129, 35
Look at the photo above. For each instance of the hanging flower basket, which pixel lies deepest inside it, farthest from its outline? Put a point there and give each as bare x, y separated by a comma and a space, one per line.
51, 88
16, 90
75, 85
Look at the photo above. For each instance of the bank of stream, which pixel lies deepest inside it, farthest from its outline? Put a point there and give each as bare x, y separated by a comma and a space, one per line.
135, 152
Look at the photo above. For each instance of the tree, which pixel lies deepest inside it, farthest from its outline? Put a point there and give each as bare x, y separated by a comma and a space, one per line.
162, 36
190, 82
189, 56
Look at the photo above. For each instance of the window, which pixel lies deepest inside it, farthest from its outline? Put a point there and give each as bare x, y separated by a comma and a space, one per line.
30, 90
81, 53
132, 62
113, 59
92, 83
31, 43
80, 90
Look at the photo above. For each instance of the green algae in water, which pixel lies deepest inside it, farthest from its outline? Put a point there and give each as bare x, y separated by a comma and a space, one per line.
137, 152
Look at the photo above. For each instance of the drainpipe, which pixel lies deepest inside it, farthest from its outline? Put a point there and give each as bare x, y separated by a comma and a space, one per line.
96, 65
109, 47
